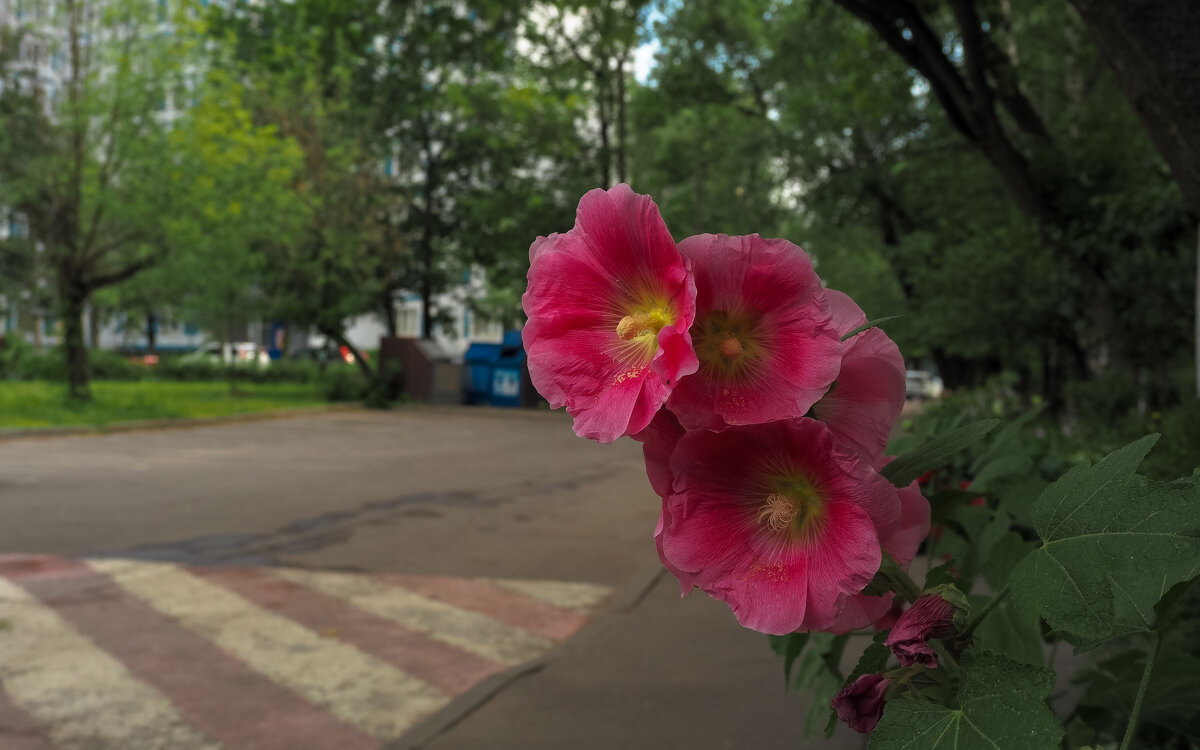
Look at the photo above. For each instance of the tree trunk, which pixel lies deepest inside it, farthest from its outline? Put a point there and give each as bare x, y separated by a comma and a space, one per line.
602, 111
94, 316
387, 306
622, 175
1151, 45
74, 300
151, 333
1198, 312
428, 230
359, 360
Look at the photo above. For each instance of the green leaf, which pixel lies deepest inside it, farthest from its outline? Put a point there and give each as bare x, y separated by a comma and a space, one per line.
939, 575
936, 453
1013, 464
868, 325
789, 647
1002, 439
1171, 698
1002, 704
1112, 544
1009, 550
1010, 630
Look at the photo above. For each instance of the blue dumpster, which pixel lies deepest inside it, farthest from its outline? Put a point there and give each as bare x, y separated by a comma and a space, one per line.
508, 372
477, 372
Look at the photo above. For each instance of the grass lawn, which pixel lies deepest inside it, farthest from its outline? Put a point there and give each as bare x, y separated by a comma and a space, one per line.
42, 404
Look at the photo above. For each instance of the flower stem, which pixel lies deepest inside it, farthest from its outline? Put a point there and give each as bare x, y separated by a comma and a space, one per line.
1131, 730
903, 584
987, 609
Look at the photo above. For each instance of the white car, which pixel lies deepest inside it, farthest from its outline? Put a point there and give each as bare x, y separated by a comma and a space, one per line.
232, 353
921, 384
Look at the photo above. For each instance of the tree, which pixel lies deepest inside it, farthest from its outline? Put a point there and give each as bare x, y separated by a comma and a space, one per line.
861, 146
304, 66
236, 183
90, 182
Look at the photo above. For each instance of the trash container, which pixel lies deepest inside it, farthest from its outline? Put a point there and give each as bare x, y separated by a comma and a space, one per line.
509, 381
477, 371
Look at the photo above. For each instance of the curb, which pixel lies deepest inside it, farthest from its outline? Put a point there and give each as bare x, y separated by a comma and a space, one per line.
147, 425
481, 693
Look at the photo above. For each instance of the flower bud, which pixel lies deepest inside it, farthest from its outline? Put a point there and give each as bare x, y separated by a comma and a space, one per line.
930, 616
860, 704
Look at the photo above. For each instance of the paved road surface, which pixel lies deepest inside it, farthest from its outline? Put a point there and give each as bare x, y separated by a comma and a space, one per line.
332, 581
447, 491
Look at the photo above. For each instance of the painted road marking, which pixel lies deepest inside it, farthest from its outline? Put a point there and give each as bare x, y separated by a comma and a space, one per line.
134, 655
216, 692
450, 670
373, 696
577, 597
470, 631
506, 605
83, 696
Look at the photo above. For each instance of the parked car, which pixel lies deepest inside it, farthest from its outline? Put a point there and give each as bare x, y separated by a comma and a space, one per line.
232, 353
922, 384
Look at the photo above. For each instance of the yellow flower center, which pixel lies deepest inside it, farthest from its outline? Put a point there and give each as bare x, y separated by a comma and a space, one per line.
642, 322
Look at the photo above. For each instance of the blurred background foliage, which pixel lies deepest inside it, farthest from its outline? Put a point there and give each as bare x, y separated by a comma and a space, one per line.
973, 166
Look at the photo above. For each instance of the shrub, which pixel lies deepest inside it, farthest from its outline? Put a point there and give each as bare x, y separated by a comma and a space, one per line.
344, 384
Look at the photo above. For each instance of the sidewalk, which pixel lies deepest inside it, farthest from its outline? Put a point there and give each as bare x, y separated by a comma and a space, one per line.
664, 673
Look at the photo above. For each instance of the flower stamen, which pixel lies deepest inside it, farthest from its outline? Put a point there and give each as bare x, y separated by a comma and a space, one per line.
640, 323
779, 512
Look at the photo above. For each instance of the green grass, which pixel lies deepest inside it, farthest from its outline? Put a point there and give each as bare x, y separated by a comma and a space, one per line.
43, 404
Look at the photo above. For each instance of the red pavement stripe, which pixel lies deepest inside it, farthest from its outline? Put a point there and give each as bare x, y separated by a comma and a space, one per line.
507, 606
18, 731
448, 669
214, 691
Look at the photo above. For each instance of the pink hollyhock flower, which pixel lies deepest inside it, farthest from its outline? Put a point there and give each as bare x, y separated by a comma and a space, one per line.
658, 442
901, 543
609, 306
767, 347
860, 704
868, 395
930, 616
778, 520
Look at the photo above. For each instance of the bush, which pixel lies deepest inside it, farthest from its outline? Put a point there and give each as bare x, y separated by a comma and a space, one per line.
109, 365
344, 384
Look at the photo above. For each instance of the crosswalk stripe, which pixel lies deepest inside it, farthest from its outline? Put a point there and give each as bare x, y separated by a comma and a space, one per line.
18, 730
373, 696
469, 631
506, 605
84, 696
447, 668
216, 692
577, 597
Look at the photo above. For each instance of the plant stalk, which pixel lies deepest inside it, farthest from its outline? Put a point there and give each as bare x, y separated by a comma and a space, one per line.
987, 609
1134, 717
902, 583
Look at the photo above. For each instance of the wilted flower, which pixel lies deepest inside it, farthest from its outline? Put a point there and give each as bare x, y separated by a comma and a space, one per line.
609, 306
777, 519
930, 616
767, 347
860, 704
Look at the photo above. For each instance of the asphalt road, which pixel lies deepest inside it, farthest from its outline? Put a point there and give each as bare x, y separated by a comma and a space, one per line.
462, 492
361, 580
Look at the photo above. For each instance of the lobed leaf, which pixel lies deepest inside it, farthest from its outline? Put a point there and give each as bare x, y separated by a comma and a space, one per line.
1112, 544
1001, 705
